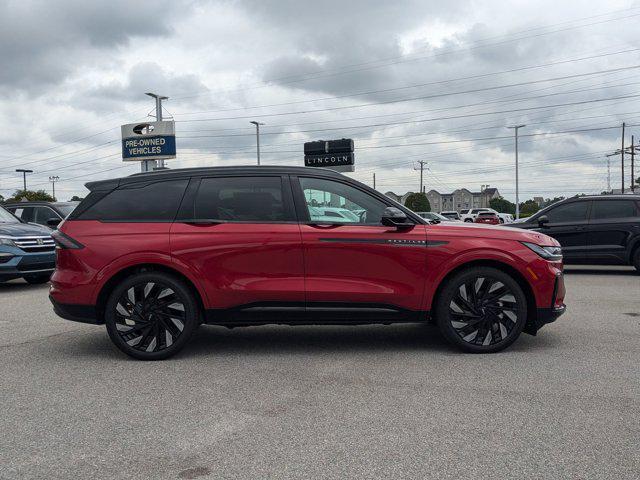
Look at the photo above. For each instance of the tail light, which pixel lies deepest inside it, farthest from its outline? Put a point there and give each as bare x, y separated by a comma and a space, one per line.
65, 241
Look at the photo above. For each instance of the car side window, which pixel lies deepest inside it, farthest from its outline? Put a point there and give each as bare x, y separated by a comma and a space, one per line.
42, 214
338, 199
605, 209
145, 202
24, 213
241, 199
572, 212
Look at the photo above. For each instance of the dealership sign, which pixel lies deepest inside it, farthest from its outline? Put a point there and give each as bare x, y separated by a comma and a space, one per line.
148, 141
334, 154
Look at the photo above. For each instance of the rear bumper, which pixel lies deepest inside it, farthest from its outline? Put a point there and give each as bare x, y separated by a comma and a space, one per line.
75, 312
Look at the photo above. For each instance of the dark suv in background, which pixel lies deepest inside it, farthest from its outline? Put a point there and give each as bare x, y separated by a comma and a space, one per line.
603, 229
43, 213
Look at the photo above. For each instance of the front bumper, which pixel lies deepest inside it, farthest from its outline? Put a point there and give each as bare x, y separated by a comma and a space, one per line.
15, 263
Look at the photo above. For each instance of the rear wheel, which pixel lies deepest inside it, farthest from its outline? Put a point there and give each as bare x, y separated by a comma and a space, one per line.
481, 310
151, 316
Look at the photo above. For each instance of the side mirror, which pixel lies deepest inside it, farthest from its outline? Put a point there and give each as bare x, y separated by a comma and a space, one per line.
543, 220
394, 217
53, 222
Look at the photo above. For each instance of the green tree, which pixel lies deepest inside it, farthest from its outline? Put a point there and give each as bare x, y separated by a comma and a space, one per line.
76, 198
502, 205
418, 202
32, 196
551, 201
528, 208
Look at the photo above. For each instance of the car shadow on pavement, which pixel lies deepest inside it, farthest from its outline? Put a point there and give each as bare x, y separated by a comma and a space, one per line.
211, 341
617, 271
14, 286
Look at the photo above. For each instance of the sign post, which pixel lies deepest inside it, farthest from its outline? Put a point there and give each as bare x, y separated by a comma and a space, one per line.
333, 154
146, 141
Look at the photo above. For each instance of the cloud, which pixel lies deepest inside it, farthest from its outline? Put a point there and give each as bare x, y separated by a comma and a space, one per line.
44, 42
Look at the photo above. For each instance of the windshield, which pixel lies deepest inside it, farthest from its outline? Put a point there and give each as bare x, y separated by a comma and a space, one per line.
6, 217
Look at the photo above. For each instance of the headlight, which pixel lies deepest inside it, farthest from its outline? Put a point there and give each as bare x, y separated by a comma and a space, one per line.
7, 241
547, 252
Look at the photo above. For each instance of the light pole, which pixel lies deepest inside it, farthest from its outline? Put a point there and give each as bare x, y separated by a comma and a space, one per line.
516, 128
148, 165
24, 176
257, 124
53, 179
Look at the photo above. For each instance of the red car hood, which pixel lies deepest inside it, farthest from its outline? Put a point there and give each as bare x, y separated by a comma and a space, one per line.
479, 230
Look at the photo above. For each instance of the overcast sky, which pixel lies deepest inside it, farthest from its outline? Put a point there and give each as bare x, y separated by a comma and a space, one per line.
407, 80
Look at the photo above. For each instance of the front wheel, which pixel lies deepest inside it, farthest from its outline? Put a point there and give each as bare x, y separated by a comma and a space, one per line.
481, 310
151, 316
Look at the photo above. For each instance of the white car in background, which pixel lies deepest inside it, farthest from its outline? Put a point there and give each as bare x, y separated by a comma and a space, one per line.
470, 214
333, 215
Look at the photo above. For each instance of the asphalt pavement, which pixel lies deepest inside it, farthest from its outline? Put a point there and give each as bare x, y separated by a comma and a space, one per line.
337, 402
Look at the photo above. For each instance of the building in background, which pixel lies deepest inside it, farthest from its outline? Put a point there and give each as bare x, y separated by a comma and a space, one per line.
457, 200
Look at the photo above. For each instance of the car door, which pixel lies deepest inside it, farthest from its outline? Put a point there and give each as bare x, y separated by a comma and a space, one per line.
239, 235
612, 224
360, 265
568, 224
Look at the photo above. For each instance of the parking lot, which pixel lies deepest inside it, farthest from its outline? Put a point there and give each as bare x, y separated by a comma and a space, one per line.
326, 402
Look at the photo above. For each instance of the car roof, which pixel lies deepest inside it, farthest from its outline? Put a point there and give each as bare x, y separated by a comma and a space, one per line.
38, 202
200, 171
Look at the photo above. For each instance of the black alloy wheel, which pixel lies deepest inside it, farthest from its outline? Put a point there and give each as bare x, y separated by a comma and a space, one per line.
482, 310
150, 316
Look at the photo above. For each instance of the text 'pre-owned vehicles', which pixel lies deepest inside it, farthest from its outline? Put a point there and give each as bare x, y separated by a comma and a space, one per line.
26, 250
602, 229
154, 255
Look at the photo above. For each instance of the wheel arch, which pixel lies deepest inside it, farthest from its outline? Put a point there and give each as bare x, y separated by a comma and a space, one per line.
120, 275
530, 326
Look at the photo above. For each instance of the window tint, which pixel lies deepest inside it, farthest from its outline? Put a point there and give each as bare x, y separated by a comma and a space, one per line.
42, 214
158, 201
603, 209
573, 212
353, 205
24, 213
241, 199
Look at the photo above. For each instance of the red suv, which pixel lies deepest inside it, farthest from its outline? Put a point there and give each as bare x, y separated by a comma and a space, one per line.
154, 255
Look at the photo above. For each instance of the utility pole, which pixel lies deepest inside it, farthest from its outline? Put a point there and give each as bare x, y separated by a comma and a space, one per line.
516, 128
633, 154
420, 166
257, 124
150, 165
622, 159
374, 180
24, 177
608, 174
53, 179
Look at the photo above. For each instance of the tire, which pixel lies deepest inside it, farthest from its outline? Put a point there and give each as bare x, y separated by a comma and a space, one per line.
151, 316
37, 279
636, 259
479, 305
468, 220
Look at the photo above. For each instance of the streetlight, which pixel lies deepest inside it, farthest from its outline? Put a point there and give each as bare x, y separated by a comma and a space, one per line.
24, 176
53, 179
257, 124
516, 128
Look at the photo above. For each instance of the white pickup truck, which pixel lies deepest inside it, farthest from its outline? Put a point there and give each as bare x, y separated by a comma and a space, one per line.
470, 214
